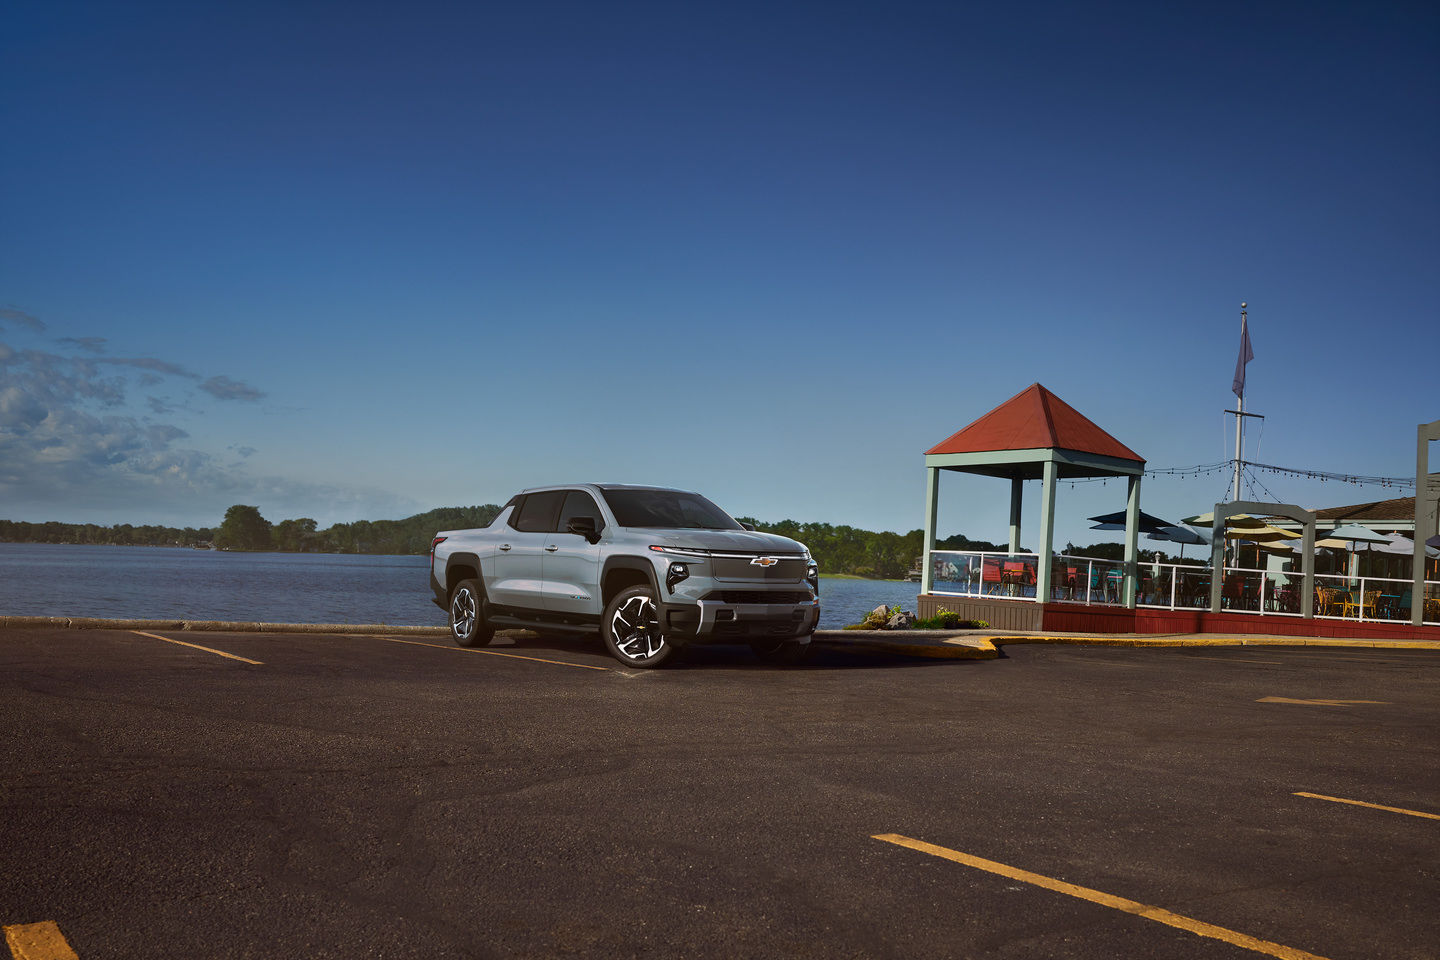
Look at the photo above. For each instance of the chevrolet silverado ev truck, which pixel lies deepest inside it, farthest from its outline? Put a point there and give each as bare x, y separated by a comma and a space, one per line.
653, 570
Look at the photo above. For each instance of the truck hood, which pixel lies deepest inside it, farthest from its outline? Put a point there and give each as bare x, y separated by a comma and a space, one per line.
740, 541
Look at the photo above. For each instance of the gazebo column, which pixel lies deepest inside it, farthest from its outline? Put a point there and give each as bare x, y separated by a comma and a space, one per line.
1132, 540
1047, 530
1017, 498
932, 510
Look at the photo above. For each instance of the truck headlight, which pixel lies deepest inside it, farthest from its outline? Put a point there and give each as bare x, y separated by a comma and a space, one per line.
676, 573
812, 576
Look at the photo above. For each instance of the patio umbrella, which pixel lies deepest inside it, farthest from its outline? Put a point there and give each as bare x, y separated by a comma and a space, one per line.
1264, 533
1401, 545
1433, 541
1351, 534
1207, 519
1116, 521
1176, 534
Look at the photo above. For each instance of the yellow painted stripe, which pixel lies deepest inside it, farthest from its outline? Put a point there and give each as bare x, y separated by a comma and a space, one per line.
1275, 663
1317, 703
1197, 927
38, 941
1372, 806
494, 653
196, 646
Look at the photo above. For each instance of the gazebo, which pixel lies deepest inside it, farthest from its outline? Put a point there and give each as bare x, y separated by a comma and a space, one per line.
1032, 436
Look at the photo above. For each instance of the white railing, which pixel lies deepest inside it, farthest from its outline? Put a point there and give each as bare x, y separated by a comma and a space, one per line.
1372, 598
1176, 586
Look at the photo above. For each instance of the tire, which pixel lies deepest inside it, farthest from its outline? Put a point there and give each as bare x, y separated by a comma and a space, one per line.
467, 615
632, 631
787, 653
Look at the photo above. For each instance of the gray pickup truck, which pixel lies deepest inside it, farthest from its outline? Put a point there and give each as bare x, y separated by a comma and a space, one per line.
650, 569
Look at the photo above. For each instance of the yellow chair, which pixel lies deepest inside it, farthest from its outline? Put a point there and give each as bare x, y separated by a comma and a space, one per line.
1366, 607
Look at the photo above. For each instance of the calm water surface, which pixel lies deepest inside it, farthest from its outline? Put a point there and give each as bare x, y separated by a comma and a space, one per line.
164, 583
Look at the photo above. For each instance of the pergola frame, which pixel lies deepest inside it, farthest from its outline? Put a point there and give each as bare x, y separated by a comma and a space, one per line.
1306, 518
1050, 465
1427, 514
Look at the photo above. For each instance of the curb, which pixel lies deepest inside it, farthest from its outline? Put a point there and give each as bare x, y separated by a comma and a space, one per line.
1201, 641
926, 644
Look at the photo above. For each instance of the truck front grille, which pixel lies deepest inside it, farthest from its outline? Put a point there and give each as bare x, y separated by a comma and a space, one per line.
740, 568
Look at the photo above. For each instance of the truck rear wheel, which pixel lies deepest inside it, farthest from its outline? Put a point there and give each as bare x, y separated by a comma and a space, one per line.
467, 615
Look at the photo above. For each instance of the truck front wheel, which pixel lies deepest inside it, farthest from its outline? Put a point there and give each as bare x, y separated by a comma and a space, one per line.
467, 615
632, 630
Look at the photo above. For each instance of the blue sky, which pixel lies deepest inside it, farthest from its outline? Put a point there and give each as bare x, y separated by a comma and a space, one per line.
359, 260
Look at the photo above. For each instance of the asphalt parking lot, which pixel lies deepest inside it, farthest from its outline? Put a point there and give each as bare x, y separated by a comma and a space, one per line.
271, 795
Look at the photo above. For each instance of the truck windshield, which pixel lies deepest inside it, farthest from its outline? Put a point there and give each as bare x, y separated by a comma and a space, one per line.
667, 508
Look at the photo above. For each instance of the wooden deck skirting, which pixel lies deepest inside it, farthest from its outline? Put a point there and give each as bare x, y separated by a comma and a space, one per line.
1000, 614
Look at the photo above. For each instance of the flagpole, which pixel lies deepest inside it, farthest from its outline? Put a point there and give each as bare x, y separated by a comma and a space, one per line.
1239, 416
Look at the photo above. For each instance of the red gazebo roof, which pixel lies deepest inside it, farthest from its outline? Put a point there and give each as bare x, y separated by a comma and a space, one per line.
1035, 419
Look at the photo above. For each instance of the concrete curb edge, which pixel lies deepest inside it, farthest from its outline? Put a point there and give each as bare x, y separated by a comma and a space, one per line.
928, 644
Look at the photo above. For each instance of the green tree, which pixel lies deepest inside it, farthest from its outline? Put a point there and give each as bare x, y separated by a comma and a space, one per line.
296, 536
243, 529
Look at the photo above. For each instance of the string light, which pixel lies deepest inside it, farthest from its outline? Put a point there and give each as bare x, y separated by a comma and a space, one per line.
1228, 467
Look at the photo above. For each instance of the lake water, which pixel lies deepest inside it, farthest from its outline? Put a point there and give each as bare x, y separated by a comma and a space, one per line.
163, 583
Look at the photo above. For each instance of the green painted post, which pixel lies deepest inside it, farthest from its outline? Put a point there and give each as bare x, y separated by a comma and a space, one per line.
1017, 496
932, 508
1047, 530
1132, 540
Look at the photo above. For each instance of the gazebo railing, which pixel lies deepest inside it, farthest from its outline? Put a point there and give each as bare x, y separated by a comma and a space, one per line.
969, 573
1177, 586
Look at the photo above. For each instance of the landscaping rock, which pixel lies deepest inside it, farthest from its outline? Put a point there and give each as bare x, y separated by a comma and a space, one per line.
900, 621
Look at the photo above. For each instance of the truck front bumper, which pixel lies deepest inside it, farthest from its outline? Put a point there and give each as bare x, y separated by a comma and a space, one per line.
714, 621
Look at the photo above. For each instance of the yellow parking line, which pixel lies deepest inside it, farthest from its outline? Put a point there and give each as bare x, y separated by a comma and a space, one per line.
1197, 927
38, 941
1318, 703
196, 646
494, 653
1276, 663
1373, 806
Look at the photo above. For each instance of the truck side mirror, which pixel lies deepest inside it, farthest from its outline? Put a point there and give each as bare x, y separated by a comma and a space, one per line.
585, 527
748, 526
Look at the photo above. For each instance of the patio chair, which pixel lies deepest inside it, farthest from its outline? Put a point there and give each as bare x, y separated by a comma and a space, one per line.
990, 577
1232, 593
1364, 607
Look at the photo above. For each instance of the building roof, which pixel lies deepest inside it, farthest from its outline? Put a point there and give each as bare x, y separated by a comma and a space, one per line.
1035, 419
1401, 508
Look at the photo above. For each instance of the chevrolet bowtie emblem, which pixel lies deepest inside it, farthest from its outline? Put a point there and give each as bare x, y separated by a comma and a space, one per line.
764, 562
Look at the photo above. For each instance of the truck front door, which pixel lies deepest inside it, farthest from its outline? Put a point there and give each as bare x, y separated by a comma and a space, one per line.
572, 563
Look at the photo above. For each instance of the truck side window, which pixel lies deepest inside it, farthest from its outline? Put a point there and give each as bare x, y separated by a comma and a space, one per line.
578, 503
537, 513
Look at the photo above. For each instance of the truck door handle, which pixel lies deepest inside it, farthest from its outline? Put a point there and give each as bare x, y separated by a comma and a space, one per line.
504, 546
551, 547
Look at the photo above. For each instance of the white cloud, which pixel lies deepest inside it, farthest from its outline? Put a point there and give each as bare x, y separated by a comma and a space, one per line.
74, 445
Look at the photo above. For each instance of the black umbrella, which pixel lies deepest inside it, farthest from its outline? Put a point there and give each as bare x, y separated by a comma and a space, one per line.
1116, 521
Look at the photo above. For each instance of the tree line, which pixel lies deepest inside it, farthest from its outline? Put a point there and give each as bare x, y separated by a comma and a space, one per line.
838, 549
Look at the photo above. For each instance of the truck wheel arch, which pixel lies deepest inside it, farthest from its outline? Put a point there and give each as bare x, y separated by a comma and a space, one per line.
621, 572
462, 566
